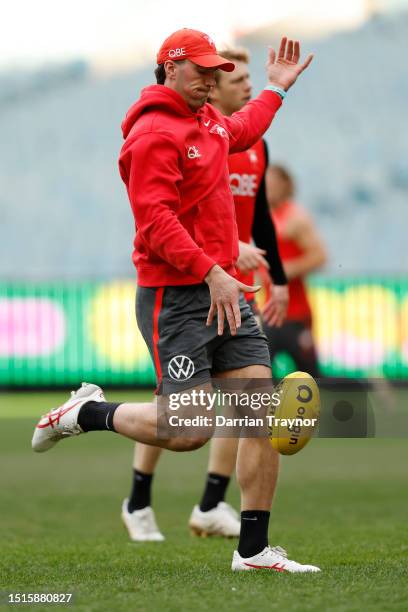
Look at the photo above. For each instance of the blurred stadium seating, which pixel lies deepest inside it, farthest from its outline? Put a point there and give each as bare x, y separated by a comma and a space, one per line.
343, 131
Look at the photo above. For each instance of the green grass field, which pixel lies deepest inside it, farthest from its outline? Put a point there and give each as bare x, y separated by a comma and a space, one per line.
341, 504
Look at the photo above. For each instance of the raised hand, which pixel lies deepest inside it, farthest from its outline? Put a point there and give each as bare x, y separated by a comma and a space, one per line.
283, 70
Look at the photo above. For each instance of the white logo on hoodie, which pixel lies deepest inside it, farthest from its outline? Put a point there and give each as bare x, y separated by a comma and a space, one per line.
218, 129
193, 152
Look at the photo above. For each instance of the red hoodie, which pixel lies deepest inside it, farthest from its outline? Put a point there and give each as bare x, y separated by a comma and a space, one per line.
174, 166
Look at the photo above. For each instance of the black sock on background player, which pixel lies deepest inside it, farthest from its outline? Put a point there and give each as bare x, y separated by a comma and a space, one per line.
214, 492
141, 494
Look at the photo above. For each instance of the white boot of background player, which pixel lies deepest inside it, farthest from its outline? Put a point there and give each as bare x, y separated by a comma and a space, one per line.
222, 520
141, 524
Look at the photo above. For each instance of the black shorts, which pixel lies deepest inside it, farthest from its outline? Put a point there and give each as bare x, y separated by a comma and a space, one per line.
186, 352
295, 338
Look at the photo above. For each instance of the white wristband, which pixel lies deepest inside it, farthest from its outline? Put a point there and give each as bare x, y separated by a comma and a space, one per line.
281, 92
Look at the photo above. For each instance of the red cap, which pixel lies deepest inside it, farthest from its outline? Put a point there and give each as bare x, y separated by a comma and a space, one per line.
195, 46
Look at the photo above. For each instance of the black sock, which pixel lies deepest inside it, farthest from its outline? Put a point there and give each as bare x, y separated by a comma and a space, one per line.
97, 416
214, 491
254, 532
140, 496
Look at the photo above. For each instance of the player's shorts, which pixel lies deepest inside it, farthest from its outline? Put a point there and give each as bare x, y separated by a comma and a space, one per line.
185, 352
295, 338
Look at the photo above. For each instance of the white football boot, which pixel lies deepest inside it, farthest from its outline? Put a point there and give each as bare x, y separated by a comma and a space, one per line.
222, 520
62, 422
271, 558
141, 524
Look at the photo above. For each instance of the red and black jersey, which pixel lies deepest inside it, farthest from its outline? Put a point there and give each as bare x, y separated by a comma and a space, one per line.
247, 182
246, 172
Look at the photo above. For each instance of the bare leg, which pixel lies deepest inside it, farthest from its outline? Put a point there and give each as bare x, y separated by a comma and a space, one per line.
146, 458
257, 473
139, 422
223, 456
221, 464
257, 461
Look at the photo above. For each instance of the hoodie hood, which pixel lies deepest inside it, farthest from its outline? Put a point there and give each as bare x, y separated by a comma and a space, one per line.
152, 98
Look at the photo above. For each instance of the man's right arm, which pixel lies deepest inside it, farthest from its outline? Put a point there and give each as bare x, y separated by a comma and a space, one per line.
150, 168
248, 125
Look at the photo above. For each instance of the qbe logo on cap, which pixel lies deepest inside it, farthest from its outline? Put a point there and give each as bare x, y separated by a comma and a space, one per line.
180, 368
177, 52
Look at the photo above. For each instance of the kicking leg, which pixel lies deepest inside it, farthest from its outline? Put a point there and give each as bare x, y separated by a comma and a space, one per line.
87, 410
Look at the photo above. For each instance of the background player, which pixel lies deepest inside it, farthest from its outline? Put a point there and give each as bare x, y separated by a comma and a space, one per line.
302, 251
247, 180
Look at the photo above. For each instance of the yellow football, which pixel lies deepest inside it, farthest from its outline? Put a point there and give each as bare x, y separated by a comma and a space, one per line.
293, 420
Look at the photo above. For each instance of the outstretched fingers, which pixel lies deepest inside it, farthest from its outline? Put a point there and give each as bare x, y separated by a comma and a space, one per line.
282, 49
233, 314
289, 51
296, 52
231, 311
271, 55
237, 314
220, 319
211, 313
231, 319
306, 62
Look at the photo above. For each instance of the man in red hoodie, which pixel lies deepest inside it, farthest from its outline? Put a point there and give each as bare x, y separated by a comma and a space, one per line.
214, 516
174, 166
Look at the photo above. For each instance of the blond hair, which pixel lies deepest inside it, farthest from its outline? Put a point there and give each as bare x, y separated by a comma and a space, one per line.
233, 54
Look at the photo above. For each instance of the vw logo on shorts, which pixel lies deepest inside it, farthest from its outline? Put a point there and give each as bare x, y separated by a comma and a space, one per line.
181, 367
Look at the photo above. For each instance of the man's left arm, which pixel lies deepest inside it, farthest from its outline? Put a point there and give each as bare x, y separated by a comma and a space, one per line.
249, 124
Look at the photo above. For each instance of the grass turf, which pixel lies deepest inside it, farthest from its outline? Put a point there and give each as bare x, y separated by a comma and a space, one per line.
341, 504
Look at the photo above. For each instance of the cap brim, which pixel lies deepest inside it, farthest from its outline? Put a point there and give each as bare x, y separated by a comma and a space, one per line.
213, 61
